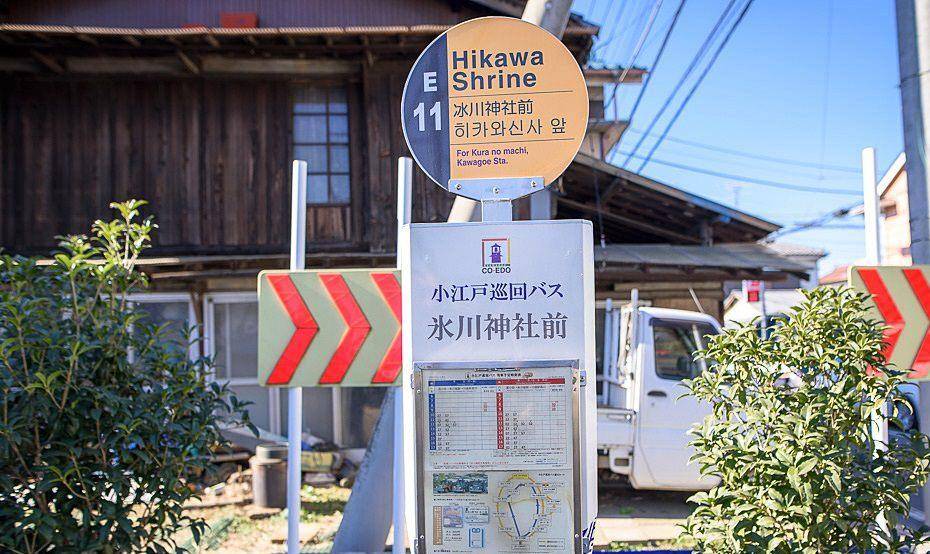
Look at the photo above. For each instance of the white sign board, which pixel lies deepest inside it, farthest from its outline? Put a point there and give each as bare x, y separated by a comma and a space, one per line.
500, 421
508, 291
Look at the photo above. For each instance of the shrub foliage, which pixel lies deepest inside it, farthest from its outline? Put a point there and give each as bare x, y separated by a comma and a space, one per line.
790, 436
104, 415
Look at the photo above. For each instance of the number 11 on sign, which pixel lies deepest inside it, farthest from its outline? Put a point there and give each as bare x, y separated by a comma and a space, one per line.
433, 112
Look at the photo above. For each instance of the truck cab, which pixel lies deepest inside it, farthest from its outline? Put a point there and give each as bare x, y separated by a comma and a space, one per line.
643, 417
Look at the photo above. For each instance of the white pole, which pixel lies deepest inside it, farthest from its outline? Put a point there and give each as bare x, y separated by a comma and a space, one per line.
764, 321
873, 256
606, 364
404, 192
295, 394
873, 243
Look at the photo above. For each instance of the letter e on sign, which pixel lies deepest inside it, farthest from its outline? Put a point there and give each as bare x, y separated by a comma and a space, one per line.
429, 81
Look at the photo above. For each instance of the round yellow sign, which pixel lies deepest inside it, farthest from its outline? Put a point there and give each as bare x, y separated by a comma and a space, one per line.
495, 98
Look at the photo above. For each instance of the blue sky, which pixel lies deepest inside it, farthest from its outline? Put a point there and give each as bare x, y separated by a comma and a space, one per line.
794, 82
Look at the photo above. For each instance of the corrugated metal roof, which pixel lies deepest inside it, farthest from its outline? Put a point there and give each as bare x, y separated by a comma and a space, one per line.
727, 256
789, 249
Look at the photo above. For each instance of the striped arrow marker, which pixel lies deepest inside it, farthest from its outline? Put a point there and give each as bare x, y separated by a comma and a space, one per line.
886, 306
306, 329
918, 282
357, 328
329, 328
902, 299
390, 290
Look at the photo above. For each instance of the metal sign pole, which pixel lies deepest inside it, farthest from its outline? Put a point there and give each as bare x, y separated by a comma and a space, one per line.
404, 200
295, 394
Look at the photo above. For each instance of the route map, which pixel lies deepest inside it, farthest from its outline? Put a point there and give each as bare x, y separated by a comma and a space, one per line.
525, 506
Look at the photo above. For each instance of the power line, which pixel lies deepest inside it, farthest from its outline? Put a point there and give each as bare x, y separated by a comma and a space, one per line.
820, 221
681, 81
636, 51
754, 180
751, 155
613, 29
726, 162
655, 62
697, 84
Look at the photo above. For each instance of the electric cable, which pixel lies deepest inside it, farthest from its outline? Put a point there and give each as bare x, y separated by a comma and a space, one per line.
636, 51
753, 180
655, 62
752, 155
681, 81
697, 84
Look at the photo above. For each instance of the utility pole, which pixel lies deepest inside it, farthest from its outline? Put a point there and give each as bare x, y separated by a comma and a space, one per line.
913, 19
551, 15
870, 209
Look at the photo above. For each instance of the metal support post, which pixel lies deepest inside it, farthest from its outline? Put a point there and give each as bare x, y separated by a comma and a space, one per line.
404, 201
913, 19
295, 394
873, 244
379, 487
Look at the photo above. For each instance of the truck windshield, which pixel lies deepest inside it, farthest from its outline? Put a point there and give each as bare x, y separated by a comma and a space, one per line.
675, 343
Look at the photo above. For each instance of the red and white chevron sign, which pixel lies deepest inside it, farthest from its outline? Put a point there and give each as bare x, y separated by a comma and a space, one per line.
338, 328
902, 300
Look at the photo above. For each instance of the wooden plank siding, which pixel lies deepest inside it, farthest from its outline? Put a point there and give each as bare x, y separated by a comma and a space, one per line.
211, 156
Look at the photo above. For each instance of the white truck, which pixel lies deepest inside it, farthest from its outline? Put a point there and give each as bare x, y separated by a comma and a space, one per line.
642, 420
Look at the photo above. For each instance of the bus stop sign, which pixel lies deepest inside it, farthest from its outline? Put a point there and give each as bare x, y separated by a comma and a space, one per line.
495, 99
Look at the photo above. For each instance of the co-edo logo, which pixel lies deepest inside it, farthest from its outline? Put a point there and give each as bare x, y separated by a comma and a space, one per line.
495, 255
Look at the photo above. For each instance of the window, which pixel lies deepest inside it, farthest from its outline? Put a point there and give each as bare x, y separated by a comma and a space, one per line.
674, 344
321, 138
232, 332
175, 312
599, 317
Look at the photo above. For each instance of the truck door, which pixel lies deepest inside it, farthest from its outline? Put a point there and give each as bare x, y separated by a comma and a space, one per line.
664, 418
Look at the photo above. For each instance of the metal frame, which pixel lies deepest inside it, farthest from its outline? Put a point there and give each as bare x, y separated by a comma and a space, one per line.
496, 189
578, 381
496, 195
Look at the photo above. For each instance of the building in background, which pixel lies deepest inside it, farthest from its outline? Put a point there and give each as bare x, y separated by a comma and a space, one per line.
895, 227
199, 108
895, 221
779, 295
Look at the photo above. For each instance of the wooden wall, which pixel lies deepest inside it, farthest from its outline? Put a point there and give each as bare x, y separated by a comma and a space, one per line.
211, 156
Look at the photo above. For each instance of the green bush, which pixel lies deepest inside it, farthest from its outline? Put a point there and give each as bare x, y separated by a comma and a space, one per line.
798, 465
104, 416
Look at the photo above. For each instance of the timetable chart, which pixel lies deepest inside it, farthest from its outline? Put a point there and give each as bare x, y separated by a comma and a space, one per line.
482, 419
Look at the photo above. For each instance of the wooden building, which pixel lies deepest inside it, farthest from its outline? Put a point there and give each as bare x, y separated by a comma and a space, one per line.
199, 107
